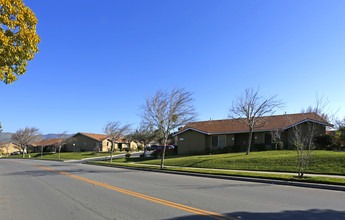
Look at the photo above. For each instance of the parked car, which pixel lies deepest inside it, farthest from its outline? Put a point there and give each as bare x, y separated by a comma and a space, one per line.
161, 147
15, 153
152, 147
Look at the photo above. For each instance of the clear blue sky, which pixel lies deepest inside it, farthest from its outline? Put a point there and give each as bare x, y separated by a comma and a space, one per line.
98, 60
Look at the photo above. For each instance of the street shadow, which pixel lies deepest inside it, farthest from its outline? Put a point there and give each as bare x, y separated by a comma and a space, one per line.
37, 173
312, 214
223, 186
199, 162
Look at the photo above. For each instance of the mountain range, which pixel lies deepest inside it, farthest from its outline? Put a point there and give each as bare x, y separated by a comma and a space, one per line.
6, 136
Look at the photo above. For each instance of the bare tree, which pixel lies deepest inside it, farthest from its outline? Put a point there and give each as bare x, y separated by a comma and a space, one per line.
24, 137
304, 135
115, 131
144, 135
166, 111
63, 139
276, 137
250, 109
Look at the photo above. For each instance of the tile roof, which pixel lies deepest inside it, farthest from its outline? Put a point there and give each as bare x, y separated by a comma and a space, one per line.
100, 137
237, 125
46, 142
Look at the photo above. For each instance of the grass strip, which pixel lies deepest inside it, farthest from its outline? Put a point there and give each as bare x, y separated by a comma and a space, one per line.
286, 177
322, 162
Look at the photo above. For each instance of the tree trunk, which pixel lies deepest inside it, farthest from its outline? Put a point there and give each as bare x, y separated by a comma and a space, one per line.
111, 150
59, 152
164, 149
41, 151
145, 150
24, 149
249, 140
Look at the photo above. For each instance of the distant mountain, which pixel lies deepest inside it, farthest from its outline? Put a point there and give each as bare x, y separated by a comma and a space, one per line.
51, 136
6, 136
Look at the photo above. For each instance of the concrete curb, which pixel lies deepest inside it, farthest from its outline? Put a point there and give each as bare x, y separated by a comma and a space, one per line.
238, 178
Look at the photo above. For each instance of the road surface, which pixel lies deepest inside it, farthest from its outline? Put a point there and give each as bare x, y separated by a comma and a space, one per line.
33, 189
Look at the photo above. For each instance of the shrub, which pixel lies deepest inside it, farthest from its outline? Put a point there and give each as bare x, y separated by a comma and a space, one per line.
324, 142
128, 155
195, 152
155, 154
260, 147
140, 147
235, 148
127, 149
280, 145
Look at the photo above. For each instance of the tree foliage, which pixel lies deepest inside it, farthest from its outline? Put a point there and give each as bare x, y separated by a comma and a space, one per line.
166, 111
18, 39
250, 109
341, 127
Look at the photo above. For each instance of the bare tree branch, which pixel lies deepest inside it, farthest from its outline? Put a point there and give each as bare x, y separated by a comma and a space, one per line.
24, 137
251, 108
115, 131
166, 111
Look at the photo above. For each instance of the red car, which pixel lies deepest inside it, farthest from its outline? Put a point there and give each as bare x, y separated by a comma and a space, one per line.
161, 147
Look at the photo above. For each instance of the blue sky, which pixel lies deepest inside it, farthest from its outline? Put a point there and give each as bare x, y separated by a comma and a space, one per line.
98, 60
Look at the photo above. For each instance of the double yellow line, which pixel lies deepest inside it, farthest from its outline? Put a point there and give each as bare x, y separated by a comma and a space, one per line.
142, 196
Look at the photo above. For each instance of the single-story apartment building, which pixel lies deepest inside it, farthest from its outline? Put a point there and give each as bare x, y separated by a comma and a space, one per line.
95, 142
7, 148
47, 145
202, 136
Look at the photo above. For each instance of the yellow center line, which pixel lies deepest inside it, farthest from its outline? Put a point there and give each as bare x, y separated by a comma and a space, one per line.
138, 195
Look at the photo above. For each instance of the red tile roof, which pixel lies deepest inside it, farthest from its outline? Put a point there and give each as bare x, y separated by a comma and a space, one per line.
237, 125
46, 142
100, 137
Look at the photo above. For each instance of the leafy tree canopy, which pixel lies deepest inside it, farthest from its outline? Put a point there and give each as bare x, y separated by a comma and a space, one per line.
18, 39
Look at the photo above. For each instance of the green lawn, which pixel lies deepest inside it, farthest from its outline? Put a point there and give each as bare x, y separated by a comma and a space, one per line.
287, 177
63, 156
322, 162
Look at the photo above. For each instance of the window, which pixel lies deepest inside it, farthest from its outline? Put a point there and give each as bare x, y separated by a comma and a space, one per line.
215, 141
218, 141
221, 141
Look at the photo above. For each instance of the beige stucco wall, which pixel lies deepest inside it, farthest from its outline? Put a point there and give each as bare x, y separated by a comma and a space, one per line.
9, 148
106, 145
190, 141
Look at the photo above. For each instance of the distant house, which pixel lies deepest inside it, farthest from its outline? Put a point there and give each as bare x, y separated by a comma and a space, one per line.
48, 145
94, 142
8, 148
207, 135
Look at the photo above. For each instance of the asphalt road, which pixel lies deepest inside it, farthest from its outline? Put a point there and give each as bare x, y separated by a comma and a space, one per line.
32, 189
